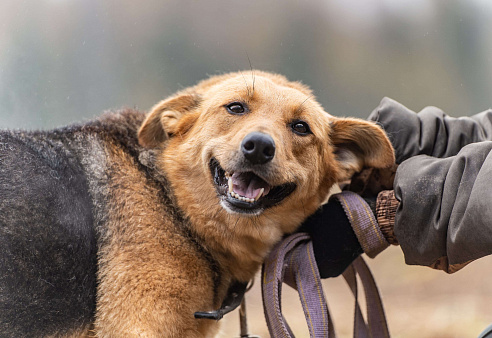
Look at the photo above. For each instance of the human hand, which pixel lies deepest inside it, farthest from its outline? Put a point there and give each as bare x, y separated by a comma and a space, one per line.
335, 244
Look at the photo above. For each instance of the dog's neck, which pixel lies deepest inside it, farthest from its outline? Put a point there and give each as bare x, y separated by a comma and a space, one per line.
238, 243
239, 254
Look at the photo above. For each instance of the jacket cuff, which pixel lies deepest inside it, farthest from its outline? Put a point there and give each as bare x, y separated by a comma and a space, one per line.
386, 206
363, 222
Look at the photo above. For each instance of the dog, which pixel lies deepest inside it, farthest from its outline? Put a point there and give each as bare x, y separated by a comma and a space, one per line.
129, 224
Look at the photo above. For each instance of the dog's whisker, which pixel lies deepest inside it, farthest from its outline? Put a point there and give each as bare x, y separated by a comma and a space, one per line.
252, 74
217, 212
246, 83
237, 220
303, 102
255, 225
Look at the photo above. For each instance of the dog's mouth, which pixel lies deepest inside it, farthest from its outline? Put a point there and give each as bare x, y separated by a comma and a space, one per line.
246, 192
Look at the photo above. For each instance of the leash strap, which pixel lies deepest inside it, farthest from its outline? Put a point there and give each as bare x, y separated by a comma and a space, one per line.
292, 261
376, 320
363, 222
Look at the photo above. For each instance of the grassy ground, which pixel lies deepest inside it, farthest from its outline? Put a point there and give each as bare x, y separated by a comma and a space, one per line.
419, 301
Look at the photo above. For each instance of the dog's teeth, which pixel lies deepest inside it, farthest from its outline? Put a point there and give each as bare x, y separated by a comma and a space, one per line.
229, 182
259, 194
241, 198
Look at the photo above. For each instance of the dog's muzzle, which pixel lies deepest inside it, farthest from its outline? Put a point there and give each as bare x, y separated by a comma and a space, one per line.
244, 188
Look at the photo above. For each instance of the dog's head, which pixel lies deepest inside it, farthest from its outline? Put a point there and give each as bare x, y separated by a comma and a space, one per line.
257, 145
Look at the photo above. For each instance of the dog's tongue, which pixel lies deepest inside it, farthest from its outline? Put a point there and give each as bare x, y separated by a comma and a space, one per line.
248, 185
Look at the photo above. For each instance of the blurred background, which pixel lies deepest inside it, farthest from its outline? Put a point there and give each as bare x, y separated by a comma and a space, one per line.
67, 60
63, 61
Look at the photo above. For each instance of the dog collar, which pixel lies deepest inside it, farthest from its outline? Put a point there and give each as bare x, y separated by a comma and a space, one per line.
232, 300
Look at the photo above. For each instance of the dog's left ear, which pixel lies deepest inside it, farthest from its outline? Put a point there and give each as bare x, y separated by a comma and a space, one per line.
360, 144
162, 121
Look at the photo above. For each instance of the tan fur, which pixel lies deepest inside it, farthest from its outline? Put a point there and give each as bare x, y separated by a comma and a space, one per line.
155, 272
152, 278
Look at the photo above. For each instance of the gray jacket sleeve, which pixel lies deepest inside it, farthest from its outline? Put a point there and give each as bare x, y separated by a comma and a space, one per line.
445, 215
431, 131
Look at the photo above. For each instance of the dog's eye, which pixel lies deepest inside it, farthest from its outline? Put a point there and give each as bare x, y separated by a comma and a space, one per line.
300, 128
236, 108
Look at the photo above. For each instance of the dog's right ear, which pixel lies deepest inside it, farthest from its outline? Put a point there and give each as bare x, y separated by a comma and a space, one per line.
358, 144
162, 121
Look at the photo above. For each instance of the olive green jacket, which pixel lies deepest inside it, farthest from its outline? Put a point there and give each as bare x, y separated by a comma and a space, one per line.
443, 183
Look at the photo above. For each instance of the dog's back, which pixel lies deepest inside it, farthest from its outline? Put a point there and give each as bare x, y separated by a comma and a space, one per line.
47, 239
49, 200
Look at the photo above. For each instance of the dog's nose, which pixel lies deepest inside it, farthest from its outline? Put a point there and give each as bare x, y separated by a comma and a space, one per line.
258, 148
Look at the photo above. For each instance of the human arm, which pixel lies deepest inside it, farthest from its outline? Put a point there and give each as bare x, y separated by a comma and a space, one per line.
440, 214
430, 132
444, 216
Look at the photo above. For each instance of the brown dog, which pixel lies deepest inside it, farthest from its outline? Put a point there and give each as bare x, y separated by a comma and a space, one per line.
224, 169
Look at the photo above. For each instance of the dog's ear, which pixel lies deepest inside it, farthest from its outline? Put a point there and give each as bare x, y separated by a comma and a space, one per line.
360, 144
162, 121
